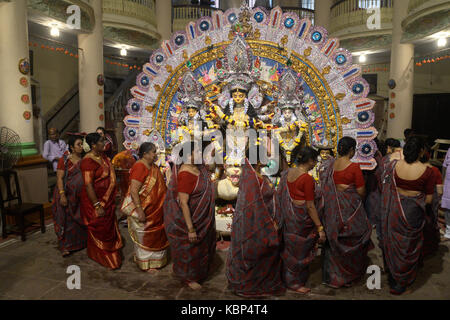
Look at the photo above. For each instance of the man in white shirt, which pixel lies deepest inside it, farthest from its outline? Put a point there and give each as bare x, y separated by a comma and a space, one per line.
54, 148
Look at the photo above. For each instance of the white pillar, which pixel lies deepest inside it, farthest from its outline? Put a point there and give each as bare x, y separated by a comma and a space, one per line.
14, 113
402, 71
322, 9
90, 66
163, 14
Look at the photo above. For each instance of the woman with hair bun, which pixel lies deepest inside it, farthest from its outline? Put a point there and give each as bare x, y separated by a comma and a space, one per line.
98, 205
144, 206
407, 188
345, 221
302, 228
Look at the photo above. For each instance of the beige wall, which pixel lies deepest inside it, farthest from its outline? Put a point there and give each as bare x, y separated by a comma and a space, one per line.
430, 78
56, 73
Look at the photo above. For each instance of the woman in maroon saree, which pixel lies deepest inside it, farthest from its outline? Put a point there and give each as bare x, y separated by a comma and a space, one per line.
254, 264
190, 221
301, 224
403, 214
98, 205
345, 221
69, 228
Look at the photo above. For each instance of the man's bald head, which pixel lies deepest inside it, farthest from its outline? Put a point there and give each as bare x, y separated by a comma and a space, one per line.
53, 134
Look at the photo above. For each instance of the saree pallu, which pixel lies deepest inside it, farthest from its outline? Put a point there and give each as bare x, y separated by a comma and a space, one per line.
431, 235
104, 239
299, 237
69, 228
254, 264
150, 240
191, 261
348, 233
403, 220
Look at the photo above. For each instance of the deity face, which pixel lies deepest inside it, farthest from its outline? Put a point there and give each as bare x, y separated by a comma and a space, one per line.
192, 112
233, 173
238, 97
325, 154
288, 113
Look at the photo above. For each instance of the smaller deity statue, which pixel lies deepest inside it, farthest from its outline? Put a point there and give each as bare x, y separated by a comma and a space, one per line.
191, 114
325, 153
290, 128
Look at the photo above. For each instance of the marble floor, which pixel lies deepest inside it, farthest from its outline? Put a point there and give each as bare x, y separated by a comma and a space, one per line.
34, 269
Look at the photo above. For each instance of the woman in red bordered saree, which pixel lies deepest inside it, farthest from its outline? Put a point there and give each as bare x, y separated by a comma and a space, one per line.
403, 212
143, 205
254, 263
189, 219
301, 223
98, 205
347, 227
69, 228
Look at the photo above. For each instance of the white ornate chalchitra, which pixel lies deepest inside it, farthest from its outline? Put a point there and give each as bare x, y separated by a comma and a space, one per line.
240, 57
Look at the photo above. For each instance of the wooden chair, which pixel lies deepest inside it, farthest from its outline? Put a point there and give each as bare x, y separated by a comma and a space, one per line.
19, 209
439, 151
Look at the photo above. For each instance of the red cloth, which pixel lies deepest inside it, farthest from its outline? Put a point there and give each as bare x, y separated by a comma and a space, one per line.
437, 176
61, 164
425, 183
186, 182
302, 188
350, 175
104, 239
139, 172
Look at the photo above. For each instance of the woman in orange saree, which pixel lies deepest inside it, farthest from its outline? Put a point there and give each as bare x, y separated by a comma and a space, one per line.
144, 206
98, 205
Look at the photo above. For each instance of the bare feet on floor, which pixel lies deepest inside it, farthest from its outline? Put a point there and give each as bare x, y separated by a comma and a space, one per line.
65, 253
153, 270
302, 290
194, 285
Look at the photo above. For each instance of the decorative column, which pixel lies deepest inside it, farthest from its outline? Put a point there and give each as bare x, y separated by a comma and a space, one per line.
90, 74
15, 91
322, 10
163, 13
402, 72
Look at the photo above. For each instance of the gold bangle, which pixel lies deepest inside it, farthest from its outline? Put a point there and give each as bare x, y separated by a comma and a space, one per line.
138, 206
191, 230
319, 228
61, 191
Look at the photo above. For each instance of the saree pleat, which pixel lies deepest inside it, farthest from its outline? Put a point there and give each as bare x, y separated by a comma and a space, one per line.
191, 261
69, 228
431, 235
348, 233
104, 239
299, 238
149, 238
254, 264
403, 220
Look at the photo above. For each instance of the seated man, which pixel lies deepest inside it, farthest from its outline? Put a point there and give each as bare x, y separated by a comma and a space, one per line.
54, 148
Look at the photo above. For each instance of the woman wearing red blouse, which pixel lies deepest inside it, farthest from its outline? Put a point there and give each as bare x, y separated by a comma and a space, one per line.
189, 219
345, 221
98, 205
144, 206
408, 187
302, 227
69, 228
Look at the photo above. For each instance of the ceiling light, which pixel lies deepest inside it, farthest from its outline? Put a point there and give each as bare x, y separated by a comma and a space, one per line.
442, 42
362, 58
123, 52
54, 31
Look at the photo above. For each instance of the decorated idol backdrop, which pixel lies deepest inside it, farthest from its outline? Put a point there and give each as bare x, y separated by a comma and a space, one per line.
282, 62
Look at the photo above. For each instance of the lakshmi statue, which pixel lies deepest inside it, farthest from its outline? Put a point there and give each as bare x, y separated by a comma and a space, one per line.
191, 109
